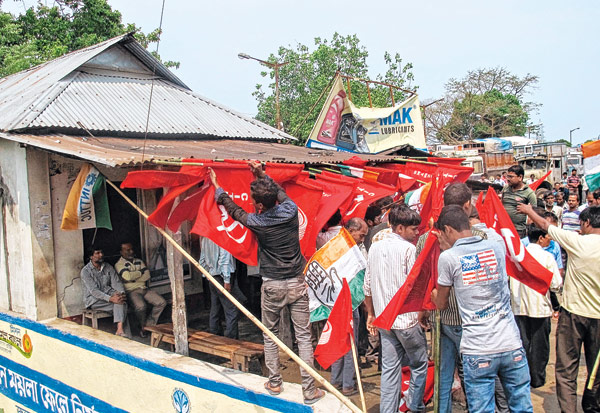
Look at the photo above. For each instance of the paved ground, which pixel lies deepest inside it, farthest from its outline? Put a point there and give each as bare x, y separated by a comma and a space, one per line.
544, 398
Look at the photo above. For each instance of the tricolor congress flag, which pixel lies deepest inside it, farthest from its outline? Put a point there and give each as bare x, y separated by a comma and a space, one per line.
87, 204
338, 259
591, 164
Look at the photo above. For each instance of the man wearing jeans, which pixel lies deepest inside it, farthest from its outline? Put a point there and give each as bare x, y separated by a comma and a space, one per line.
275, 225
390, 261
579, 320
490, 344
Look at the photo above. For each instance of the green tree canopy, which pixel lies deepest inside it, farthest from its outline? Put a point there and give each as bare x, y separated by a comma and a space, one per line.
308, 77
485, 103
44, 33
491, 114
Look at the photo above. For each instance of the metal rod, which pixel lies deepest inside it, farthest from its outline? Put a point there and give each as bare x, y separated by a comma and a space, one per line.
369, 93
392, 96
349, 91
594, 371
358, 380
178, 163
437, 340
412, 92
347, 402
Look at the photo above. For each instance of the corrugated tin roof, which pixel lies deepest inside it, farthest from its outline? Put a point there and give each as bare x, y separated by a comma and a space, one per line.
117, 105
122, 152
106, 88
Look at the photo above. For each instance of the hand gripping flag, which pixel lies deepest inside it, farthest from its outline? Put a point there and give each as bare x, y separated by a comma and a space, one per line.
337, 261
535, 185
414, 295
519, 263
334, 342
87, 203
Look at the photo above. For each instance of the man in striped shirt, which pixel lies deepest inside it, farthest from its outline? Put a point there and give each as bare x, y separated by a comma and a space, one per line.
390, 261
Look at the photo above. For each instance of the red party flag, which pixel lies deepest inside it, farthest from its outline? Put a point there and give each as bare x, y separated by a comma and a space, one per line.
334, 342
414, 295
519, 263
214, 222
307, 197
537, 183
364, 194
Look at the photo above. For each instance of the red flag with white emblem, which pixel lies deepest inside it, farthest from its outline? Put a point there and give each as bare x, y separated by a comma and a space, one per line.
334, 342
519, 263
214, 222
307, 197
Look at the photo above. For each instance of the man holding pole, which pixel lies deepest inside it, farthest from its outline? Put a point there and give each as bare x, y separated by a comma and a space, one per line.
275, 225
579, 320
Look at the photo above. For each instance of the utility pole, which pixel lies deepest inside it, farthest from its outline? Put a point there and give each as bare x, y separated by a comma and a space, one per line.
275, 67
571, 135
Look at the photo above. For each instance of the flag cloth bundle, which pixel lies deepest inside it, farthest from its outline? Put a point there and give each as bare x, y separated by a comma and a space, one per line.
87, 204
591, 164
519, 263
535, 185
338, 260
335, 338
414, 295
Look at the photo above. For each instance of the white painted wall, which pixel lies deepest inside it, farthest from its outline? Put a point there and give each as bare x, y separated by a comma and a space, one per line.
18, 270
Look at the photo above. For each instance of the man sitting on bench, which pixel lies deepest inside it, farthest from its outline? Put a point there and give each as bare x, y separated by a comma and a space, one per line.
134, 274
102, 290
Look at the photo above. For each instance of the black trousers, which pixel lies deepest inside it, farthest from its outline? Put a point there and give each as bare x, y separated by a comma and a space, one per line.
574, 331
535, 335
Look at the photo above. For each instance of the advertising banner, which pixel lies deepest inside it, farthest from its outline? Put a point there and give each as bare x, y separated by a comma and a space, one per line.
342, 126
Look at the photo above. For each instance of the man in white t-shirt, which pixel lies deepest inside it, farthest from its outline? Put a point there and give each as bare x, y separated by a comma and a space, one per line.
490, 344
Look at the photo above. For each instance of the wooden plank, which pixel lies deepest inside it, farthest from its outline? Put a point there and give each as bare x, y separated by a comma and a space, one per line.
179, 314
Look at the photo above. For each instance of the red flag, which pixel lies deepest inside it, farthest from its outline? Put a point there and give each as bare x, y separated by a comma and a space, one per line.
537, 183
519, 263
479, 204
307, 197
427, 396
355, 161
157, 179
161, 214
432, 207
425, 171
337, 194
214, 222
414, 295
335, 338
364, 194
186, 210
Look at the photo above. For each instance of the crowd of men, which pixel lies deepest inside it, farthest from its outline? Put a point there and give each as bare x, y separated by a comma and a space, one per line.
494, 330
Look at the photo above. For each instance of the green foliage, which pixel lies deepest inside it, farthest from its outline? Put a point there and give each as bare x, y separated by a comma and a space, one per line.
491, 114
44, 33
485, 103
566, 142
309, 74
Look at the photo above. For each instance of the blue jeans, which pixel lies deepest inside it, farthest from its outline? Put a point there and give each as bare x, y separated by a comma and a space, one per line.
342, 371
480, 373
398, 345
450, 347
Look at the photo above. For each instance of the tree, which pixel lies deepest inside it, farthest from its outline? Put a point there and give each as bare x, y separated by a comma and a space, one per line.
44, 33
485, 103
309, 74
566, 142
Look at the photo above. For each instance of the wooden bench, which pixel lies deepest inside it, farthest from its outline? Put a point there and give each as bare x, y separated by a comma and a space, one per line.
94, 315
239, 352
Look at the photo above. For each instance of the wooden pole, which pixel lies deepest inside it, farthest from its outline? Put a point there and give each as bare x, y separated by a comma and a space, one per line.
594, 371
437, 340
347, 402
358, 379
178, 312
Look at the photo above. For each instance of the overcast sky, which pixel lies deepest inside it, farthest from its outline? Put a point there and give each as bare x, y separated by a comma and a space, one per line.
555, 40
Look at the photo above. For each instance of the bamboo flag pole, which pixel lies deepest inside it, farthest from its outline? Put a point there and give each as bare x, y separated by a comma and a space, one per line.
347, 402
437, 341
358, 379
594, 371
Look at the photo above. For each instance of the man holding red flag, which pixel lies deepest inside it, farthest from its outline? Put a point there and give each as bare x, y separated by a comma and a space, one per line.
281, 264
390, 261
490, 342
